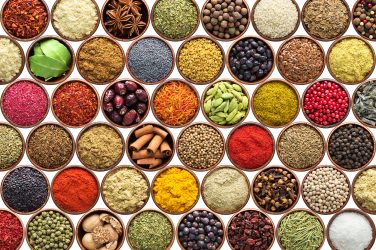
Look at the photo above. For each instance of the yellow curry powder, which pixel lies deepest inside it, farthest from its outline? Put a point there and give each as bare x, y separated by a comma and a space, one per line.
275, 103
351, 60
365, 189
175, 190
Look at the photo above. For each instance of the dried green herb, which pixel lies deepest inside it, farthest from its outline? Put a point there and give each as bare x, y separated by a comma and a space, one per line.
365, 103
10, 146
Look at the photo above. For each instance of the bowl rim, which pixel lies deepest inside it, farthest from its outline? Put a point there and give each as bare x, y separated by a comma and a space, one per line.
21, 223
358, 174
23, 59
351, 17
11, 167
366, 82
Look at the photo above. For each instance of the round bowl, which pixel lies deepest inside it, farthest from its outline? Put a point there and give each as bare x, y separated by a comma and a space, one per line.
22, 58
353, 103
365, 210
351, 18
23, 147
20, 221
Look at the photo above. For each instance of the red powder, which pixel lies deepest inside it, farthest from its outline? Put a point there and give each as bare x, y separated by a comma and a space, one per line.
11, 231
25, 103
250, 146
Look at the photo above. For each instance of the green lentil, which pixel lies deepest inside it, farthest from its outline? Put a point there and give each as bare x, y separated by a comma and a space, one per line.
11, 146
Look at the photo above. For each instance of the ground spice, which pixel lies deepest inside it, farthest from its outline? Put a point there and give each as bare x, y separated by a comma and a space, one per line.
25, 103
10, 60
25, 19
50, 146
364, 189
225, 190
100, 60
75, 190
100, 146
250, 146
275, 103
301, 146
11, 231
351, 60
11, 146
176, 190
75, 103
125, 190
365, 103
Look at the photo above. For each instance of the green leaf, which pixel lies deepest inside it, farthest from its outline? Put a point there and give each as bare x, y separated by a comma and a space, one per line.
56, 50
38, 50
46, 67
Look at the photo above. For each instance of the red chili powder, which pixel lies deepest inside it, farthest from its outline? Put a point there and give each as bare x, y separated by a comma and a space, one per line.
25, 103
250, 146
11, 231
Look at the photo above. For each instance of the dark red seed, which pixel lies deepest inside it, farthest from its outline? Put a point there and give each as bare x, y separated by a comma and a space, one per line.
129, 117
115, 117
131, 86
141, 95
109, 107
130, 100
109, 95
123, 110
120, 88
118, 101
141, 108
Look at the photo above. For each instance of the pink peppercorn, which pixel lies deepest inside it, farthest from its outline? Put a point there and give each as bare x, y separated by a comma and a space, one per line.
326, 103
25, 103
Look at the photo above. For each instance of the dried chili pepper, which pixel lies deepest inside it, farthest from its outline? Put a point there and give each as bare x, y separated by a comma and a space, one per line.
11, 231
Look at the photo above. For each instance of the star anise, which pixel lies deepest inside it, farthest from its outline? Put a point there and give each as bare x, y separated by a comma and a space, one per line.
136, 26
118, 20
133, 5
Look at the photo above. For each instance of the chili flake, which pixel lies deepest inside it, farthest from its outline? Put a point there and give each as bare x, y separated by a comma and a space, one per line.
11, 231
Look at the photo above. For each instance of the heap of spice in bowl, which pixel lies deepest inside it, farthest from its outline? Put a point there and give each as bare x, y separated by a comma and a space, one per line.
12, 60
364, 18
363, 186
12, 233
11, 146
364, 103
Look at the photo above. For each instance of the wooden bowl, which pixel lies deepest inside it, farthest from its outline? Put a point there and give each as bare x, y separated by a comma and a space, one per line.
28, 150
353, 103
78, 59
86, 128
269, 81
194, 38
325, 146
245, 92
150, 210
20, 221
12, 84
220, 158
175, 39
305, 198
330, 125
228, 147
75, 39
52, 192
71, 81
131, 139
31, 212
23, 146
351, 169
25, 39
113, 171
300, 210
299, 38
352, 210
330, 50
365, 210
80, 232
351, 20
271, 212
22, 59
203, 189
274, 39
323, 39
153, 192
251, 211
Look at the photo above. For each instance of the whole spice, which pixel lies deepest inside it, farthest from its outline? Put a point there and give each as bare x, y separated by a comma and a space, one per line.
43, 229
200, 146
150, 230
175, 19
226, 103
326, 103
276, 19
10, 60
250, 229
11, 230
326, 19
125, 190
301, 60
351, 60
11, 146
100, 146
176, 190
301, 146
100, 60
75, 190
364, 189
200, 229
200, 60
250, 146
25, 103
75, 103
25, 189
364, 18
25, 19
275, 189
275, 103
300, 230
364, 103
351, 146
250, 59
225, 190
326, 189
75, 20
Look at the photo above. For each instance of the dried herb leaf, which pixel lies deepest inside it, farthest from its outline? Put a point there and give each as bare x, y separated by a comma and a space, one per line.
46, 67
56, 50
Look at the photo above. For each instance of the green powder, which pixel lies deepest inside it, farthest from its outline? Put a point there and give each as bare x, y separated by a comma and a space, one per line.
10, 146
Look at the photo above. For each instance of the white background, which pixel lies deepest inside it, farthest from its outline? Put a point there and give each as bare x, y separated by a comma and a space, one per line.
200, 117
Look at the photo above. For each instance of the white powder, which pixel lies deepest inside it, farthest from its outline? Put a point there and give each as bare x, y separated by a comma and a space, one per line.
276, 18
350, 231
10, 60
75, 19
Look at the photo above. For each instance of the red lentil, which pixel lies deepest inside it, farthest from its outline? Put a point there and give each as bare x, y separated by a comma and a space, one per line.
11, 231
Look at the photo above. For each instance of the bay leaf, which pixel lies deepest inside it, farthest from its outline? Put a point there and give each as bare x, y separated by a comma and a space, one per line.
46, 67
38, 50
56, 50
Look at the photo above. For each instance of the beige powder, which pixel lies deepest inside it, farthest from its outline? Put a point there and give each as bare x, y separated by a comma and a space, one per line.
10, 60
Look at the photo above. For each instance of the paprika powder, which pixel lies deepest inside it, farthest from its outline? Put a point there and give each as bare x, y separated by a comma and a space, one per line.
11, 231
